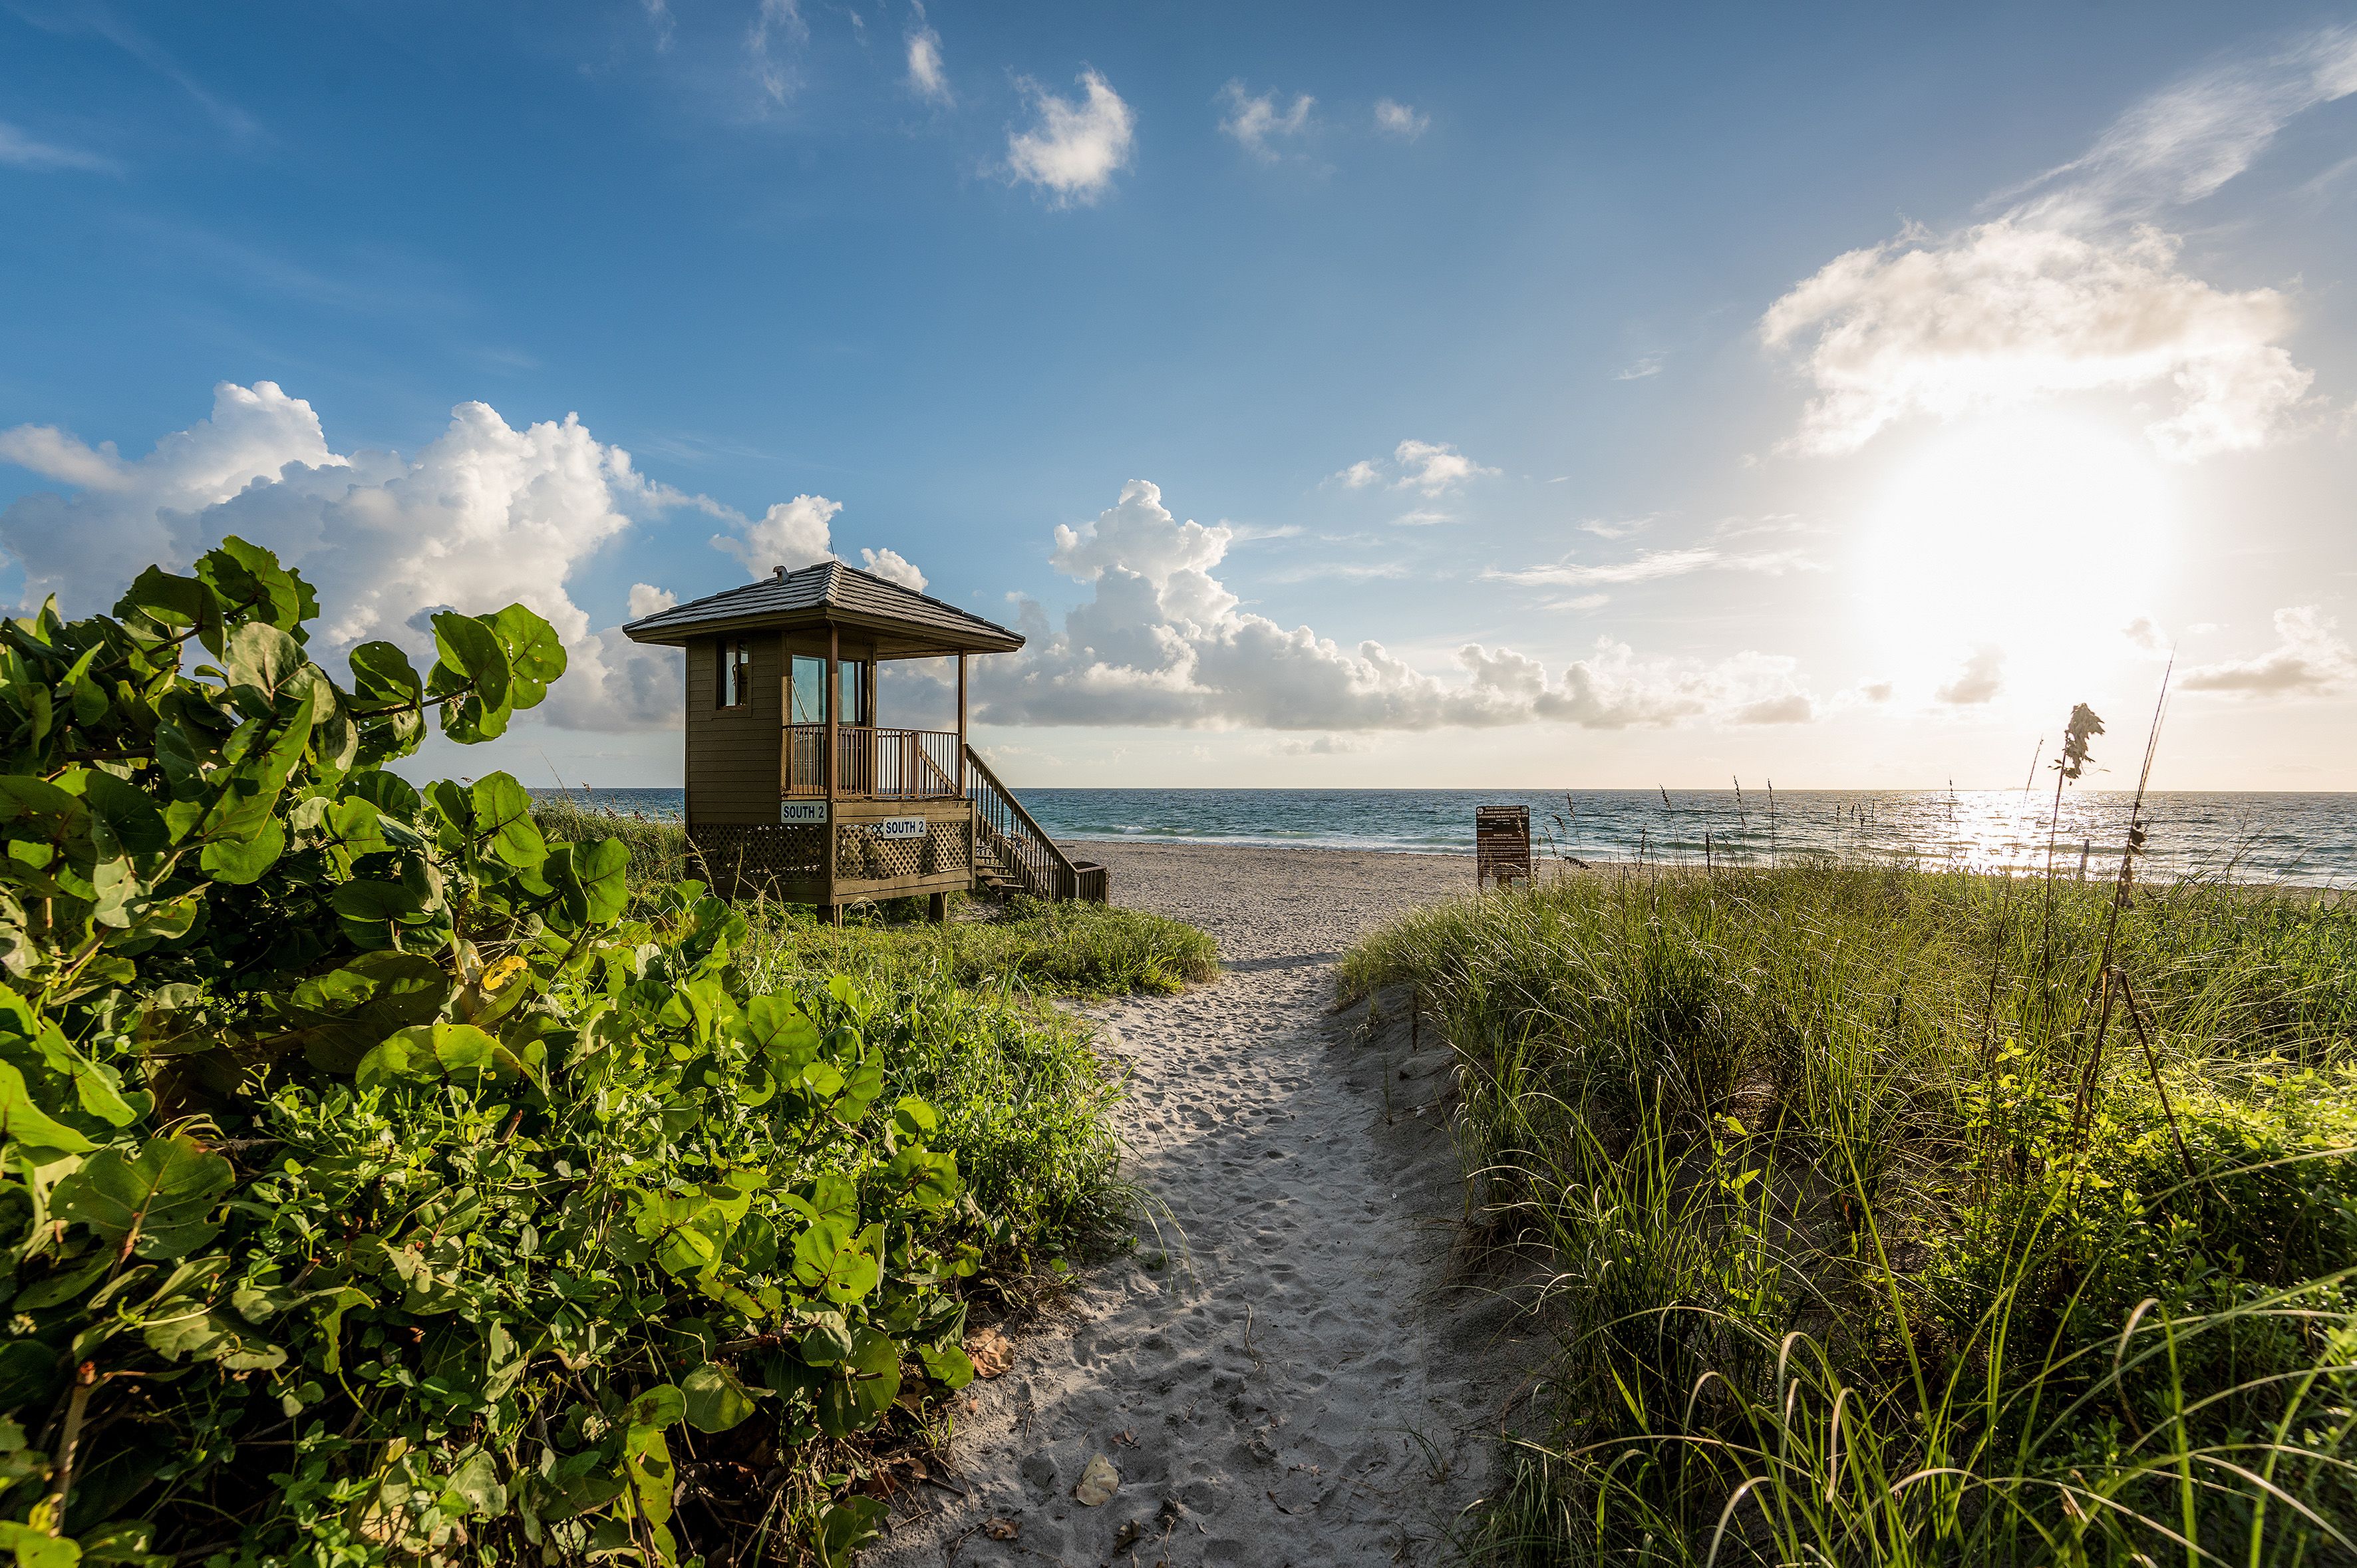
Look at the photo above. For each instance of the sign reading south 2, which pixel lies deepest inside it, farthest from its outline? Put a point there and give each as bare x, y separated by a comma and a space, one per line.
901, 828
812, 812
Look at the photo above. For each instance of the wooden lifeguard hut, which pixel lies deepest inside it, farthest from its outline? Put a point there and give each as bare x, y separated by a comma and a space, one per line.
793, 785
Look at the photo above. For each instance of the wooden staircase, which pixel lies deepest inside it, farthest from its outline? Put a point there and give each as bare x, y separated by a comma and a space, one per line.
1012, 854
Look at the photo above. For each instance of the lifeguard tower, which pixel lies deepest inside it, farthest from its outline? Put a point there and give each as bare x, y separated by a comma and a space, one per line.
795, 789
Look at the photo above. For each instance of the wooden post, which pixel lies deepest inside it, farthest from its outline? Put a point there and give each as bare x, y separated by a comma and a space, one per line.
834, 746
961, 756
937, 908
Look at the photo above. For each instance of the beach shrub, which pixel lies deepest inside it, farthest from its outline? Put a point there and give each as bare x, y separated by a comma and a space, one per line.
1845, 1263
379, 1183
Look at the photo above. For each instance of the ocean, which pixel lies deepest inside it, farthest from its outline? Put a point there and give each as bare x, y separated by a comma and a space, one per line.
2310, 839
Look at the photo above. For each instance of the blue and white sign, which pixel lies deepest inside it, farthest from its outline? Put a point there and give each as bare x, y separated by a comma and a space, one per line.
808, 812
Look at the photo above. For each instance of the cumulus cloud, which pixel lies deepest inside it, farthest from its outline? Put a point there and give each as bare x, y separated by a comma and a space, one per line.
1398, 119
1433, 467
2310, 657
1430, 466
1981, 679
482, 516
893, 567
1077, 146
18, 150
2074, 287
1255, 121
927, 77
793, 534
1161, 640
2007, 313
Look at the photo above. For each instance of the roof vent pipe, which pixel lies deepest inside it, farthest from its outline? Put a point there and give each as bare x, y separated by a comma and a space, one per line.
779, 573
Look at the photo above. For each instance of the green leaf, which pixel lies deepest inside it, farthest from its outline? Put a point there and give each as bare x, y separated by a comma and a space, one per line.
241, 861
847, 1524
777, 1025
407, 1058
38, 1549
658, 1407
912, 1118
26, 1122
465, 1052
597, 882
382, 675
390, 793
474, 1483
369, 910
535, 654
503, 819
950, 1366
128, 813
244, 573
259, 660
716, 1400
173, 604
157, 1205
470, 649
863, 1388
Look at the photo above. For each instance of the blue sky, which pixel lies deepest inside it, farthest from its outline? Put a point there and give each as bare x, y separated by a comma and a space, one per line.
1831, 396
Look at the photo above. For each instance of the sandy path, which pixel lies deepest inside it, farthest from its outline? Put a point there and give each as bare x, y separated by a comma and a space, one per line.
1296, 1382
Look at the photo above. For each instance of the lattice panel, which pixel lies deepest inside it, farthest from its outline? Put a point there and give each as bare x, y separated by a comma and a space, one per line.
863, 855
758, 851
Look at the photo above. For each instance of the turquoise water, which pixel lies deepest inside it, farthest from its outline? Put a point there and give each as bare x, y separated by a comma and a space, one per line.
2305, 838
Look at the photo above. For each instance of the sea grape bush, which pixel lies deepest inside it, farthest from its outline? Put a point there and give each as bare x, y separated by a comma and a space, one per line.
374, 1190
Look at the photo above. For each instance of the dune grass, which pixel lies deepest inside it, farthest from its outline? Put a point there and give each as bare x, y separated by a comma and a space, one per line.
1029, 944
1881, 1228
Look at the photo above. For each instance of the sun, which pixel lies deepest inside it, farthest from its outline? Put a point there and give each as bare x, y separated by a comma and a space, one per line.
2039, 536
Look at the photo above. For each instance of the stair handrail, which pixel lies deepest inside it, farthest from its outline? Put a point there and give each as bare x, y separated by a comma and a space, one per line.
1040, 834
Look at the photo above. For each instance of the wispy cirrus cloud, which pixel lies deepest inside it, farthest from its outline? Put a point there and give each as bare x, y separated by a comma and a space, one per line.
776, 32
2073, 286
1646, 566
20, 150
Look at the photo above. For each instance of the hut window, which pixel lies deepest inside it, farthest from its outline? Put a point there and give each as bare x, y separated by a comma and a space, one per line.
807, 700
736, 682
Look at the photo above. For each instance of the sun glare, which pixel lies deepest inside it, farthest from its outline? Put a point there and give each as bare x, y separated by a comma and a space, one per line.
2041, 537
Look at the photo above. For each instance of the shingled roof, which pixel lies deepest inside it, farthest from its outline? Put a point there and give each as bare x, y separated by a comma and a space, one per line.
905, 624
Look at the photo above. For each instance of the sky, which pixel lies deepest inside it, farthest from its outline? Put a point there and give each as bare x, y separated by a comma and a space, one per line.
1342, 396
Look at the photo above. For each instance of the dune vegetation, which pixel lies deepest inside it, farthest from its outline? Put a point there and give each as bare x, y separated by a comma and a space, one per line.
1901, 1215
385, 1179
1015, 943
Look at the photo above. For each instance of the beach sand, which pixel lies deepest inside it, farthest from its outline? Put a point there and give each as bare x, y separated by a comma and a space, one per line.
1289, 1371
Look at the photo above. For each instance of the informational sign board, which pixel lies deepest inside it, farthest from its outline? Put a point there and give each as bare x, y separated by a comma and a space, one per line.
901, 828
807, 811
1501, 844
